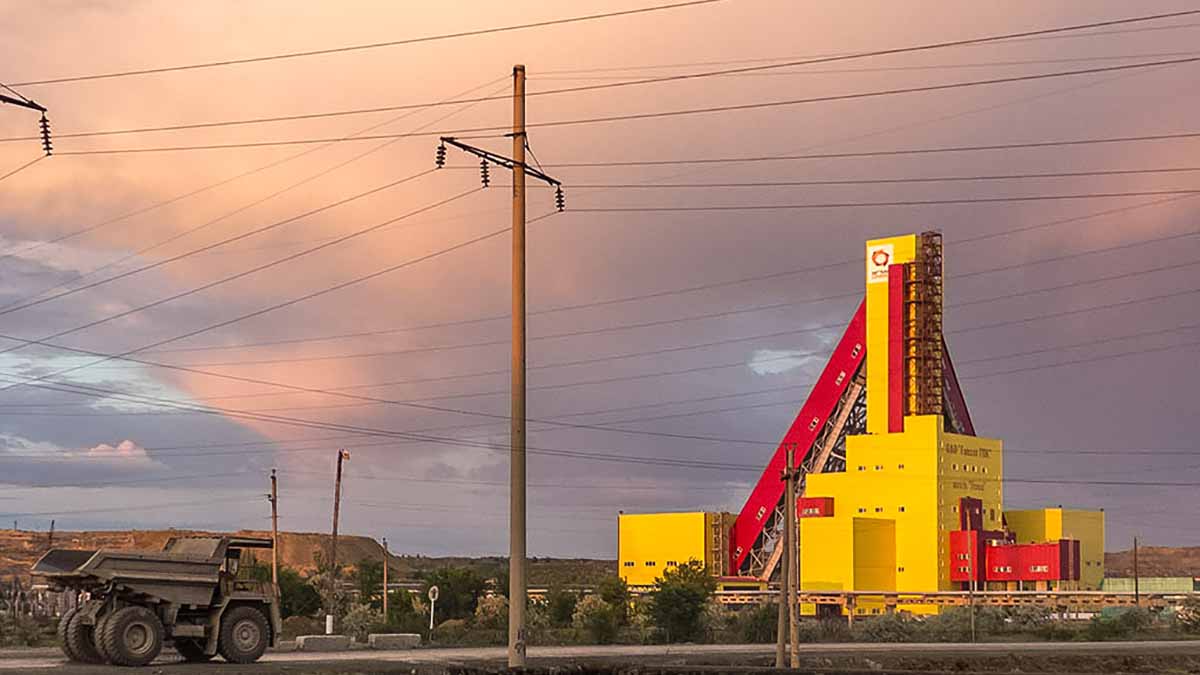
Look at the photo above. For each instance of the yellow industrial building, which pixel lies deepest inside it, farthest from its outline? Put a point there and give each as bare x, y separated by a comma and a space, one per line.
911, 507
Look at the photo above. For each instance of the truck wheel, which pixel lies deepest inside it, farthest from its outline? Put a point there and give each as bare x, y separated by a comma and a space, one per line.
192, 650
98, 638
81, 640
244, 635
62, 633
133, 636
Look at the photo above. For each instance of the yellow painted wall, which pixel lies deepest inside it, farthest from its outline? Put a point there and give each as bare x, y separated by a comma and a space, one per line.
900, 250
874, 554
1042, 525
649, 543
911, 480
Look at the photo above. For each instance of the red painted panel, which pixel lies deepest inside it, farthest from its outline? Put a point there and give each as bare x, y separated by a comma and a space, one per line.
964, 555
1002, 563
814, 507
822, 400
896, 381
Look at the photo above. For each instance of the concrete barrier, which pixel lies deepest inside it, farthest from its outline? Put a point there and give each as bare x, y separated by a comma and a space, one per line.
393, 640
323, 643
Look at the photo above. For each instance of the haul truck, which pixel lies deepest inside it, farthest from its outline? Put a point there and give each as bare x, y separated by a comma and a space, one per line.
188, 593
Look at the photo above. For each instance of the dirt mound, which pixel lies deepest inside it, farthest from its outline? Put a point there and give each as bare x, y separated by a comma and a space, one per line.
1155, 561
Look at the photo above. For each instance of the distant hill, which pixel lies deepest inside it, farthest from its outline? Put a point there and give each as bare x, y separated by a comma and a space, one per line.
20, 548
1155, 561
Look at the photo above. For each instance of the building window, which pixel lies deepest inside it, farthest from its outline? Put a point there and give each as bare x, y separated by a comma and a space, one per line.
649, 563
629, 563
992, 514
899, 569
862, 509
878, 509
1039, 568
862, 468
954, 509
985, 469
901, 509
672, 563
900, 466
954, 467
879, 467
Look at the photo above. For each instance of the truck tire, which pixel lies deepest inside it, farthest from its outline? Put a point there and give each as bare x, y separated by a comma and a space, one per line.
98, 638
81, 640
62, 633
133, 636
192, 650
244, 636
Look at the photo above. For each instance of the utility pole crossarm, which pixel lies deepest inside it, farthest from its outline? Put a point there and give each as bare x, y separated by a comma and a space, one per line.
23, 102
500, 160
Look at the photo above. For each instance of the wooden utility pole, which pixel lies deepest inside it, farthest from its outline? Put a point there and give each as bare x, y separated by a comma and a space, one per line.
793, 567
1137, 595
785, 573
50, 539
385, 580
333, 565
516, 527
274, 497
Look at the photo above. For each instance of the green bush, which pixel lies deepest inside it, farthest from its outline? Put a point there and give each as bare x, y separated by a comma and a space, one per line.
359, 619
1119, 625
597, 619
301, 625
758, 624
459, 588
297, 597
1187, 617
884, 628
614, 591
492, 613
678, 601
560, 606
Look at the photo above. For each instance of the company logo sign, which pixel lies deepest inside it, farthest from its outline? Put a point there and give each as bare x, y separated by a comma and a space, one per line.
878, 259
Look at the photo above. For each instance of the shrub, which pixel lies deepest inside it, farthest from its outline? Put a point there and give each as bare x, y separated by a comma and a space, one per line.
1119, 625
560, 606
884, 628
492, 613
296, 596
615, 592
359, 619
449, 631
1188, 615
1028, 619
597, 619
460, 589
302, 625
758, 624
677, 603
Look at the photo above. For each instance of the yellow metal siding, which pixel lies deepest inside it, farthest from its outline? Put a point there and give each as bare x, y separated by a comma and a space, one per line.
647, 542
901, 250
874, 554
1043, 525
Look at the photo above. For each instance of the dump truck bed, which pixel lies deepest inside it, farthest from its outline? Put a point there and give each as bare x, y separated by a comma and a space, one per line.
179, 577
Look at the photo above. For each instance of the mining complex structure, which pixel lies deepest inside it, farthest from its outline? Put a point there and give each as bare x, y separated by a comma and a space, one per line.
897, 493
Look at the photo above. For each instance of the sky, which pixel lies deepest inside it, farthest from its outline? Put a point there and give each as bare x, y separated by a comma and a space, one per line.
1071, 321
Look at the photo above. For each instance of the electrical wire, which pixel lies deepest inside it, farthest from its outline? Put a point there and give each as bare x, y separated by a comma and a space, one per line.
879, 153
879, 181
375, 45
855, 205
655, 114
22, 167
291, 186
293, 301
663, 322
656, 80
217, 244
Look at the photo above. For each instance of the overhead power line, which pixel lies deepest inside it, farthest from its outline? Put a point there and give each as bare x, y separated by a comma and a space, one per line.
658, 114
276, 306
141, 253
650, 80
376, 45
22, 167
879, 153
667, 322
855, 205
